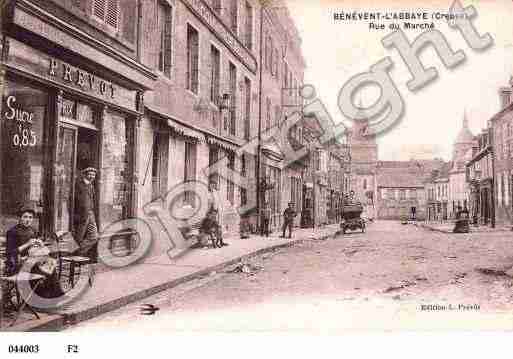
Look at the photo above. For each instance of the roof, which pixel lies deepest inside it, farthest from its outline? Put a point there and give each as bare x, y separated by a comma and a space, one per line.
413, 173
400, 178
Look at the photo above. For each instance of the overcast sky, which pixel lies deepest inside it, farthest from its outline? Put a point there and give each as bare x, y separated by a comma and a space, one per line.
337, 50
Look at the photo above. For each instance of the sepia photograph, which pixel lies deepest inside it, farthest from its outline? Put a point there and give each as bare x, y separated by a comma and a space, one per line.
254, 166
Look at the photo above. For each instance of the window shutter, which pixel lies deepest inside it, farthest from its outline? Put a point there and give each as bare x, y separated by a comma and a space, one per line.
99, 9
112, 13
168, 33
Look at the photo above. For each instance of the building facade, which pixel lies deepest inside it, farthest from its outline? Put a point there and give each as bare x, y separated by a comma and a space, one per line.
152, 94
481, 181
72, 98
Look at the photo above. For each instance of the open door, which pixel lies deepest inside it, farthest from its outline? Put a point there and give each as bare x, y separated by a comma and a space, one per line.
65, 168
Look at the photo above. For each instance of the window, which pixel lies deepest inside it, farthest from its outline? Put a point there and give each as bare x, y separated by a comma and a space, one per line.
285, 75
192, 60
233, 97
243, 173
365, 183
216, 5
165, 26
271, 56
213, 157
190, 169
268, 114
266, 52
502, 190
107, 11
413, 193
247, 108
275, 63
159, 168
230, 186
249, 27
402, 194
277, 115
234, 16
215, 72
25, 184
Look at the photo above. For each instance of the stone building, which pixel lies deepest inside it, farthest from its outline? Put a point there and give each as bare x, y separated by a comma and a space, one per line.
73, 82
480, 179
401, 186
501, 130
152, 93
283, 68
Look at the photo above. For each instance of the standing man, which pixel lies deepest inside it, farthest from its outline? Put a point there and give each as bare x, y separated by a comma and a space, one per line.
288, 219
266, 220
215, 204
86, 229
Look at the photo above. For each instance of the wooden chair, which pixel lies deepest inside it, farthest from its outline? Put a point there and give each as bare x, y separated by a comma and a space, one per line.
66, 258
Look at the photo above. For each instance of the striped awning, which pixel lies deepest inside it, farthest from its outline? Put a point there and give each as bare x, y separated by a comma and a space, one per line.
226, 145
185, 131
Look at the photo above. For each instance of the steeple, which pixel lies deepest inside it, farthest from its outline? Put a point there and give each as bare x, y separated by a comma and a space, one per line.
464, 136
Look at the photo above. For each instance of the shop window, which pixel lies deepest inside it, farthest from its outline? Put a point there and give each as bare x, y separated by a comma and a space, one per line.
192, 76
165, 22
160, 160
22, 151
116, 168
230, 186
107, 11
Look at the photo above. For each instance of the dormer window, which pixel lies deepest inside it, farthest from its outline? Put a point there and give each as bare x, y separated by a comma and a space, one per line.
107, 11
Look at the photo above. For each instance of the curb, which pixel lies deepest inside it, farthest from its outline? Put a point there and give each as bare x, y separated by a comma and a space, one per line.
61, 321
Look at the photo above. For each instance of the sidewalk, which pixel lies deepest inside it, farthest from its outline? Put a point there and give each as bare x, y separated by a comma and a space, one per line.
448, 226
115, 288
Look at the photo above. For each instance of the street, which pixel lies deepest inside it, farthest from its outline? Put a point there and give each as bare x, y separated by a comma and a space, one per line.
391, 277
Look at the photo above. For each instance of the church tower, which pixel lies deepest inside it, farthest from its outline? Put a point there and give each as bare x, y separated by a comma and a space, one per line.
462, 145
364, 157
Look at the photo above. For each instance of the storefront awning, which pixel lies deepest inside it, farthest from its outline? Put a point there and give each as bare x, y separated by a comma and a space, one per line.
211, 140
182, 130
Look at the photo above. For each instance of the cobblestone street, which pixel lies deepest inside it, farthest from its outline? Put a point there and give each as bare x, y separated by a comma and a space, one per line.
376, 280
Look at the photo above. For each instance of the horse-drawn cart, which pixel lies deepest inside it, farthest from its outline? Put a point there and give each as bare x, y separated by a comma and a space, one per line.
351, 218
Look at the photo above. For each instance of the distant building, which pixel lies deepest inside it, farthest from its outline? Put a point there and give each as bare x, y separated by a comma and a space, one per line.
480, 180
401, 188
459, 191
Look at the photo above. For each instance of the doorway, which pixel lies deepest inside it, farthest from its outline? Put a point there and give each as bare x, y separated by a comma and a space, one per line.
77, 149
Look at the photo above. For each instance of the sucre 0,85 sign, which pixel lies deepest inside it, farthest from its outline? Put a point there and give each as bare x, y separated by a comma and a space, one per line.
24, 137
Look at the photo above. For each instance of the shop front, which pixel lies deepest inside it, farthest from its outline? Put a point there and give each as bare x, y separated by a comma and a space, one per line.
59, 118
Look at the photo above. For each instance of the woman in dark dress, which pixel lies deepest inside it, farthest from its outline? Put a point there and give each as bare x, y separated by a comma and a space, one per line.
22, 241
19, 239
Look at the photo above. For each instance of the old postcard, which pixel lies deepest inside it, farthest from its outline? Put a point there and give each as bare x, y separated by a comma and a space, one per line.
255, 166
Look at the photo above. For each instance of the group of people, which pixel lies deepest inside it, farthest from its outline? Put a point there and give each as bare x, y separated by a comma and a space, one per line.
288, 220
24, 243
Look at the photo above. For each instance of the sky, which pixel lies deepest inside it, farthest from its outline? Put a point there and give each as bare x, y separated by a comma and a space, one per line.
335, 51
